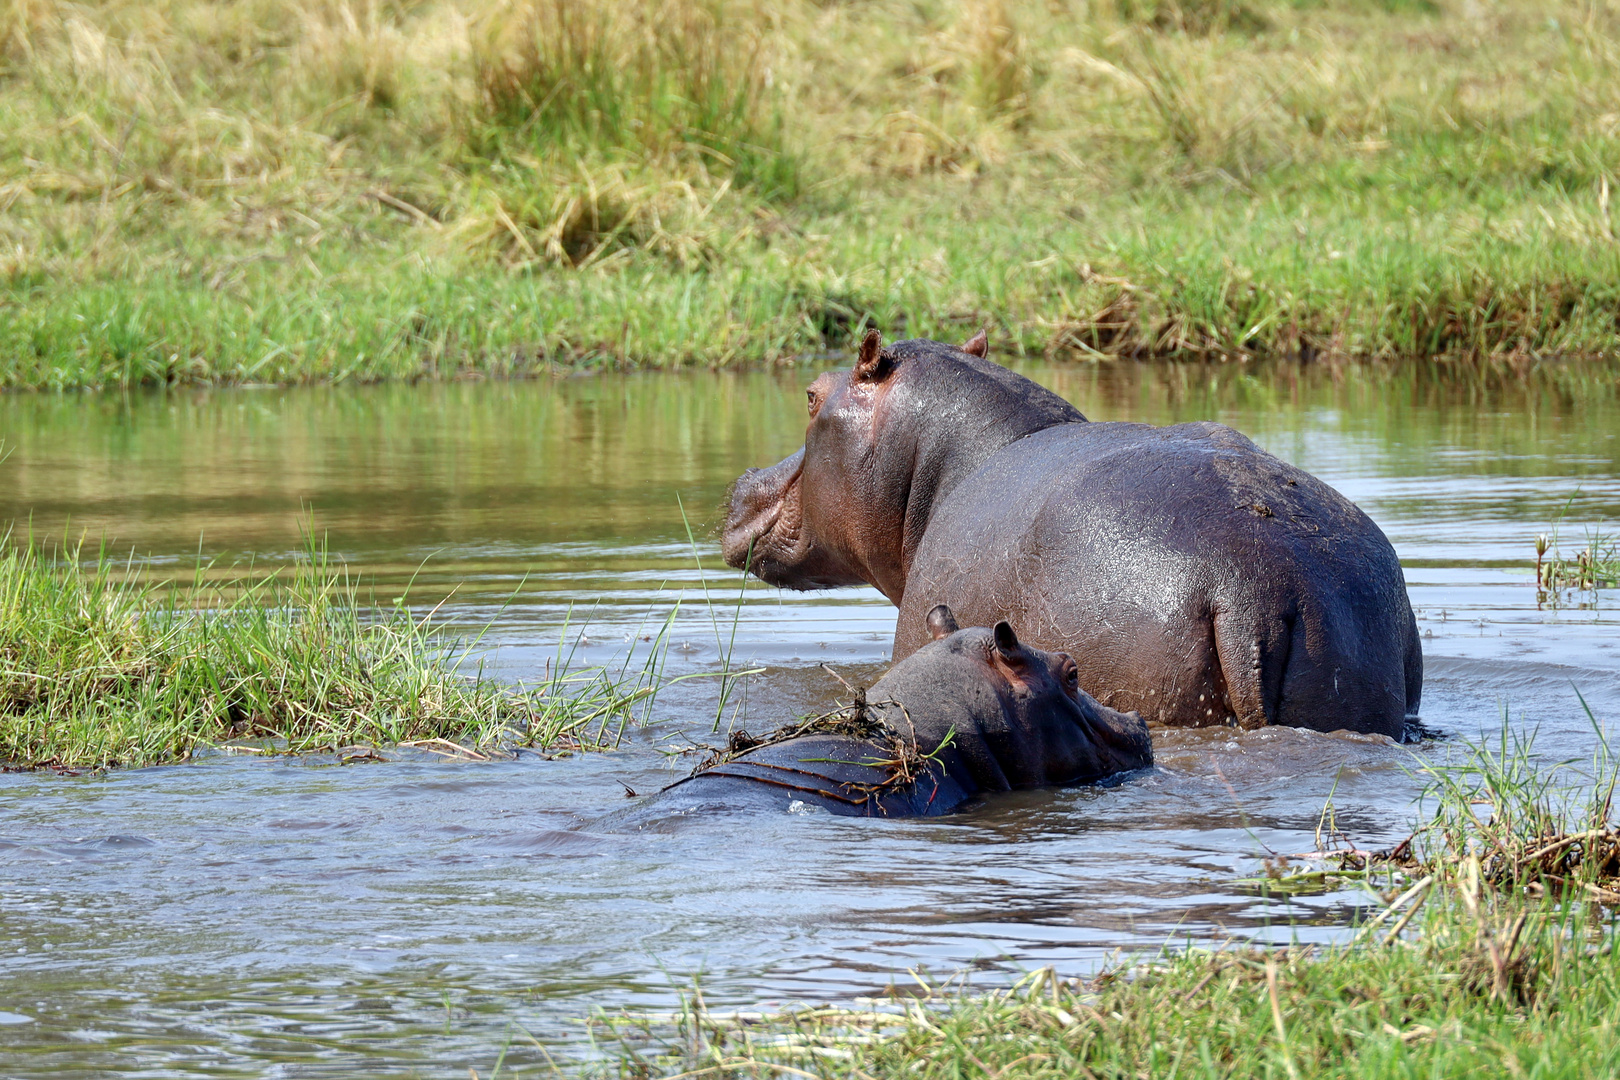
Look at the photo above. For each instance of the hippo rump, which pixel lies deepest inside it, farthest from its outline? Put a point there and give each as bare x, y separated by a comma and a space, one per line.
1194, 577
970, 712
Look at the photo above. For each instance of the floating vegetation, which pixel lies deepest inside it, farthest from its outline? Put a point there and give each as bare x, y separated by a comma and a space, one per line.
1515, 824
896, 754
1502, 819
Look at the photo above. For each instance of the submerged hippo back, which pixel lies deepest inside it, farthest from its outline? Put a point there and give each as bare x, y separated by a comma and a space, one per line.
972, 712
853, 777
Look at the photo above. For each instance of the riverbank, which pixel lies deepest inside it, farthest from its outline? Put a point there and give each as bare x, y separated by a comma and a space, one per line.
275, 192
1526, 990
1489, 950
100, 670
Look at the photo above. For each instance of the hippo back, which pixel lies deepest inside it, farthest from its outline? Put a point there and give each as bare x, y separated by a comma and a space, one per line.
840, 775
1195, 577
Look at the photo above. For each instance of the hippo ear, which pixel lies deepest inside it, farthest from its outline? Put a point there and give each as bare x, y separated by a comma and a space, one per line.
977, 345
941, 623
1006, 640
871, 364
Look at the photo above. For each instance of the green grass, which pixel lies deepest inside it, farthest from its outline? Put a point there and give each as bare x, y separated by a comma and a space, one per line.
1492, 953
1594, 565
1534, 993
98, 669
293, 190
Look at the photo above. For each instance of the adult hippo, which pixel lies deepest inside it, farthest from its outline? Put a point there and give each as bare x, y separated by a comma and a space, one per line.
1195, 578
972, 711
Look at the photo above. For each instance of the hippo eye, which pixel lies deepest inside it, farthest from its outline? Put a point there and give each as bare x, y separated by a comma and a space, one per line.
1071, 674
811, 402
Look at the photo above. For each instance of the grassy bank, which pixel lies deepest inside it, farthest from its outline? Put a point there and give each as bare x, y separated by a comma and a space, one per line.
97, 669
286, 190
1492, 953
1437, 1005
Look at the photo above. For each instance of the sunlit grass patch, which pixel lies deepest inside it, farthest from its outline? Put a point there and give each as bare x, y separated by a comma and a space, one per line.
280, 190
98, 669
667, 78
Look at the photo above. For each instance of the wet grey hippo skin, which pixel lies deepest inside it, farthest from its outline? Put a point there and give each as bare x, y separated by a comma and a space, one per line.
1195, 578
993, 714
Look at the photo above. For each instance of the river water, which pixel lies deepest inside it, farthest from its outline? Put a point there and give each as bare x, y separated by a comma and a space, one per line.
297, 918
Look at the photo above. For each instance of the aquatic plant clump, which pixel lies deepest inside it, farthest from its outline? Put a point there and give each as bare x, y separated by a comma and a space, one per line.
897, 754
98, 669
1595, 565
1505, 820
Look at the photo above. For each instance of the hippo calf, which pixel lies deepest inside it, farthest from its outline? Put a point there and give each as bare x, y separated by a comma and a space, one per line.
1196, 578
970, 712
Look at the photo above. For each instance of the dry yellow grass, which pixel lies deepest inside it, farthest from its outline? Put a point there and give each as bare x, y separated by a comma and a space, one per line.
1386, 177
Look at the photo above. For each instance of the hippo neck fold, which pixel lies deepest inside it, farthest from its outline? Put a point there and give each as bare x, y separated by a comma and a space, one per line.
965, 411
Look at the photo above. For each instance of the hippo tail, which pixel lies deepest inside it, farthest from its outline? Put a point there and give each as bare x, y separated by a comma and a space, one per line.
1253, 660
1320, 668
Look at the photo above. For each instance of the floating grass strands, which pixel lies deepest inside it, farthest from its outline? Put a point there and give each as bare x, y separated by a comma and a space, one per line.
1492, 952
1519, 824
896, 753
1501, 817
97, 669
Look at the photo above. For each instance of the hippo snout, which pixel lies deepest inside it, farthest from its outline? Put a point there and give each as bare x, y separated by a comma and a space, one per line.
1122, 740
740, 542
755, 507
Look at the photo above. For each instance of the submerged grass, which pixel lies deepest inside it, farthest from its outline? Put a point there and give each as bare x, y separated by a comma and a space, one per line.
293, 190
1492, 952
98, 669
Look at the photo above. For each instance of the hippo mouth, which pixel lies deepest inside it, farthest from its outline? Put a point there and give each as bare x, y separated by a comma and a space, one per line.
765, 532
1121, 744
764, 519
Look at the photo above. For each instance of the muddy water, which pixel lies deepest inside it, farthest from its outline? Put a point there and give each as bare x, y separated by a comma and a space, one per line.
237, 917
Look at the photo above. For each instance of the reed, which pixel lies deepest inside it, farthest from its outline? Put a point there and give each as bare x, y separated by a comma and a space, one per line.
670, 78
1594, 565
99, 669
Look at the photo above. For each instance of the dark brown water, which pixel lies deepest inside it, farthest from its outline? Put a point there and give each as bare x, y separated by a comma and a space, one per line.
296, 918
